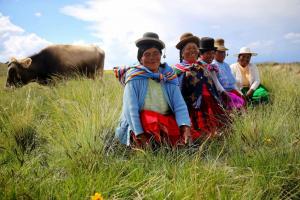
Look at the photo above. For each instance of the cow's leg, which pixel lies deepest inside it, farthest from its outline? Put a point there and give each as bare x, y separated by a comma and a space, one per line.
101, 65
98, 73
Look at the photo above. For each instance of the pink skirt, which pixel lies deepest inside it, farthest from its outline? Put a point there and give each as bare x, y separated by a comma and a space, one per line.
236, 102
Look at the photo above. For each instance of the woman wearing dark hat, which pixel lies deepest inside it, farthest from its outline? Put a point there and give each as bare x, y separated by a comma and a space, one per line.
247, 77
226, 78
153, 107
198, 87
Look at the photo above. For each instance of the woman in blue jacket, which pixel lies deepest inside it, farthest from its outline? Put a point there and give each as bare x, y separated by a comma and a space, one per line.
153, 107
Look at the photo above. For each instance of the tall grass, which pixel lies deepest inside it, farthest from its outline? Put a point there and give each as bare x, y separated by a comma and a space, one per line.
56, 143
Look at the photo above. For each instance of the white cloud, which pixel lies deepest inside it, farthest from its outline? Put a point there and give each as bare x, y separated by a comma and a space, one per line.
117, 24
23, 45
261, 44
6, 27
15, 42
84, 43
215, 26
38, 14
79, 42
293, 37
263, 47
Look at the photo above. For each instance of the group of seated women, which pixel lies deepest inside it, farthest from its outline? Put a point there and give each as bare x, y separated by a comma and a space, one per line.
180, 105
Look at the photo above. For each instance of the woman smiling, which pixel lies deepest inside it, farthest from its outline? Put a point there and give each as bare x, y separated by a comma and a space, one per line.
247, 77
154, 111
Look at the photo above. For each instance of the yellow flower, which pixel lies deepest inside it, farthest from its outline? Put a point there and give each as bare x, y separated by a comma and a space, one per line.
97, 196
268, 140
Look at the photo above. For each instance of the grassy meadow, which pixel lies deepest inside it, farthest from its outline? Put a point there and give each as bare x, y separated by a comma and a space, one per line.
56, 142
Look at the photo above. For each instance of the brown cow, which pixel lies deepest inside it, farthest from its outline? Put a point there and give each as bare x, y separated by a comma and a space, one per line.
61, 60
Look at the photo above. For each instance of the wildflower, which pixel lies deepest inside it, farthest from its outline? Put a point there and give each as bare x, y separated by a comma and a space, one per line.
97, 196
268, 140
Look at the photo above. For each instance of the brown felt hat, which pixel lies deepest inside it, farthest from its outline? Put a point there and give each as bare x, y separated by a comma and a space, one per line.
219, 44
186, 38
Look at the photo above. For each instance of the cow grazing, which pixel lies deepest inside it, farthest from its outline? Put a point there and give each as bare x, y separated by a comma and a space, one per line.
61, 60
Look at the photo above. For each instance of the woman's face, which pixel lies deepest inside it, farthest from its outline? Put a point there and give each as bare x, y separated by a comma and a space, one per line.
220, 56
151, 59
208, 56
190, 52
244, 59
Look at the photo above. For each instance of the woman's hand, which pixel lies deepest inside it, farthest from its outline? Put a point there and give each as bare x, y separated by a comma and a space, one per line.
186, 132
142, 139
249, 93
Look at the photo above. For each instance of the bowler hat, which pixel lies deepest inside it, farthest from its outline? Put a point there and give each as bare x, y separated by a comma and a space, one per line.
150, 38
207, 44
186, 38
219, 44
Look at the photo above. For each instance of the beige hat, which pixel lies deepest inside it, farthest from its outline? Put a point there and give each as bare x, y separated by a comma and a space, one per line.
246, 50
186, 38
219, 44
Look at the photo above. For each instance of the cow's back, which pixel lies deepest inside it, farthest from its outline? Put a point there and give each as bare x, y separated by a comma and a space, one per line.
63, 59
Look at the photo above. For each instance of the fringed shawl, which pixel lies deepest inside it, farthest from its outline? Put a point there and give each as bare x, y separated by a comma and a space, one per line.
128, 73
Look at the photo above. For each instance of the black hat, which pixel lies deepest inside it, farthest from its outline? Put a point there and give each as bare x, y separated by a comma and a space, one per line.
207, 44
148, 39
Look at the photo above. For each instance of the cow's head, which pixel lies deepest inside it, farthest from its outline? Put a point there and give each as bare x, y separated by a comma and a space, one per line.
16, 73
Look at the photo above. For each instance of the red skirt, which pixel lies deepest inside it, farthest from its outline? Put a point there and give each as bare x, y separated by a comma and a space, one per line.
210, 117
159, 127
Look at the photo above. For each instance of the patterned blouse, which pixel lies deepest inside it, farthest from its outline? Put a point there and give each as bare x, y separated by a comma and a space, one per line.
193, 78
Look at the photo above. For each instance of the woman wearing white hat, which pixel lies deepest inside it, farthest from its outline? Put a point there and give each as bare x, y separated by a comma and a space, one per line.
247, 77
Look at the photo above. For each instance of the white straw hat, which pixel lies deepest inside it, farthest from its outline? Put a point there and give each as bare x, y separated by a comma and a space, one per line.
246, 50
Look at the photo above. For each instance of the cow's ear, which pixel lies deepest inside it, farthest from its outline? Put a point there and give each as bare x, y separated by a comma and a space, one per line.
13, 59
26, 62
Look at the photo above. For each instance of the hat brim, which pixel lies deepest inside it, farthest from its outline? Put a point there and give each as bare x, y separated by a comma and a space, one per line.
148, 40
221, 48
208, 49
183, 42
252, 54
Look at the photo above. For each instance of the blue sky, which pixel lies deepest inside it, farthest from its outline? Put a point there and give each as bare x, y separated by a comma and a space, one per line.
270, 28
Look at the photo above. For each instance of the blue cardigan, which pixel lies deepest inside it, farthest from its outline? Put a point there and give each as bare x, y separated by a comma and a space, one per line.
133, 101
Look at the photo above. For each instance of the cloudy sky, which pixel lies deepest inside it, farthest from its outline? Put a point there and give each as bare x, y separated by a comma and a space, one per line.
271, 28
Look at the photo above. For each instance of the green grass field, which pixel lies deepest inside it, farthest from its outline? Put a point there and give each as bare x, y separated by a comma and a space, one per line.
56, 143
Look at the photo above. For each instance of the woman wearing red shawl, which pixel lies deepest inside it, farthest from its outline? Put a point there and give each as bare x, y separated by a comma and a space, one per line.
199, 86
